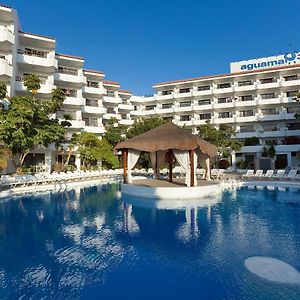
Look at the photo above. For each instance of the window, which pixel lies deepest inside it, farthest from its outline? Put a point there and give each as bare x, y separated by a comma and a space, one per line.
268, 96
185, 104
185, 118
245, 82
91, 102
294, 109
168, 92
204, 88
167, 105
246, 98
247, 128
225, 115
224, 85
33, 52
205, 116
110, 93
70, 93
293, 126
270, 127
168, 118
267, 80
225, 100
94, 84
123, 116
246, 113
150, 107
204, 102
110, 110
124, 101
269, 111
292, 93
291, 77
185, 90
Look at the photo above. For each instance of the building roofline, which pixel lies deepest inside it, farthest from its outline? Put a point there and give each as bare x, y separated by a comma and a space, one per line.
69, 56
223, 75
38, 35
93, 71
124, 92
107, 82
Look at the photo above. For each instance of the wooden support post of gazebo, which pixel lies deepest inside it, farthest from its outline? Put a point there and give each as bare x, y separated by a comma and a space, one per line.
125, 155
191, 153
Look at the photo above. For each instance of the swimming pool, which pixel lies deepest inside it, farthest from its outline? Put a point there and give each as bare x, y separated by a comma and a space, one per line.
89, 244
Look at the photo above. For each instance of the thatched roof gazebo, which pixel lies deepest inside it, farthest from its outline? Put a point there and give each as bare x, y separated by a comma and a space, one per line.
165, 144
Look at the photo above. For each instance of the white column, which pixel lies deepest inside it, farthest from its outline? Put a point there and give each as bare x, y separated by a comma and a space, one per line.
289, 159
207, 163
233, 160
77, 162
48, 160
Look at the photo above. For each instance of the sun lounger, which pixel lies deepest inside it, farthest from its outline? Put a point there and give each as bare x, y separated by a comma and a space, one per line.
279, 174
248, 174
258, 173
292, 174
269, 174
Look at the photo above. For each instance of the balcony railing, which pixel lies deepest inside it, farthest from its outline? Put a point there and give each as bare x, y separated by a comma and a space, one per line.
68, 71
92, 84
33, 52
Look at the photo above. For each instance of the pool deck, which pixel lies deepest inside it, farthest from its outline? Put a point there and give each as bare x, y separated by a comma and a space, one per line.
165, 183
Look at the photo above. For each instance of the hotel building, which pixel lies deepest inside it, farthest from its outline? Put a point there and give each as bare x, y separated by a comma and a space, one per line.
258, 98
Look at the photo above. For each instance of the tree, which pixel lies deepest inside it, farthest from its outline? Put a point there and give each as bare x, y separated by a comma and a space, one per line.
27, 123
115, 132
222, 137
144, 124
32, 83
92, 149
3, 90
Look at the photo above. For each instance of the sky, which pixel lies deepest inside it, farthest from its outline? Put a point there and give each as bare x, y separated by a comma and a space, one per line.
142, 42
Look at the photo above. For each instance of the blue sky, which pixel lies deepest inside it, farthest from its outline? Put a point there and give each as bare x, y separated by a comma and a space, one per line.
142, 42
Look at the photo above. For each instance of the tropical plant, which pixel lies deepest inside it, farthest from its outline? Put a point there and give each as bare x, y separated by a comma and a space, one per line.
28, 122
251, 141
3, 90
115, 132
5, 155
32, 83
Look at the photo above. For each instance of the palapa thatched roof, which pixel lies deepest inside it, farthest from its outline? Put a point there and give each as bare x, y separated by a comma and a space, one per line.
167, 136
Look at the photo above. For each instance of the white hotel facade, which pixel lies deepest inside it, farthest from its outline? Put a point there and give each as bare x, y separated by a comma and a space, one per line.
258, 98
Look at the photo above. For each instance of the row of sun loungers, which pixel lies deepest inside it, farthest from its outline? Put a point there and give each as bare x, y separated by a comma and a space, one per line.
53, 178
270, 174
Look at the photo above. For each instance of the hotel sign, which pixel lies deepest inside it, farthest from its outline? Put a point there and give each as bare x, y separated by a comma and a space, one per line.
266, 62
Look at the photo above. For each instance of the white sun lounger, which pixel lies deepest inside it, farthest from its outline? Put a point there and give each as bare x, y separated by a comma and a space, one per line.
292, 174
269, 174
248, 174
279, 174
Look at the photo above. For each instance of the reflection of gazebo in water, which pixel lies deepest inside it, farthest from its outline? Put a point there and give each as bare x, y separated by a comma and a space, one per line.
166, 144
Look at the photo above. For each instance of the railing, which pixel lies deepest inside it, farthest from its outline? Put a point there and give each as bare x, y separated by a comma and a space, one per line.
68, 71
92, 84
245, 83
267, 80
166, 106
93, 103
33, 52
290, 78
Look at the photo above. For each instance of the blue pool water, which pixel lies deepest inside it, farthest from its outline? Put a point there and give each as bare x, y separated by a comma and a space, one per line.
89, 244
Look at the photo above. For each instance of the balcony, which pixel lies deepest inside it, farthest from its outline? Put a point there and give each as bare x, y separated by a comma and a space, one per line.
112, 100
74, 101
126, 122
244, 135
163, 97
125, 107
183, 108
269, 85
203, 107
241, 119
202, 93
224, 90
269, 117
75, 124
108, 116
163, 111
6, 69
245, 103
93, 90
288, 83
243, 88
94, 129
223, 105
197, 122
70, 78
268, 101
45, 89
94, 110
44, 60
183, 95
224, 120
6, 36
